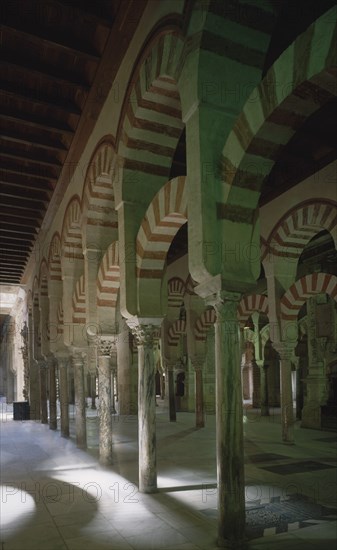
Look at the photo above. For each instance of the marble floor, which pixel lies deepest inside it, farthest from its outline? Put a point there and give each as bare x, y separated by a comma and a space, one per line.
57, 497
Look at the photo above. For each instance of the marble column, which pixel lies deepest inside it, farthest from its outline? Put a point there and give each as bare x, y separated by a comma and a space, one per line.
104, 393
299, 389
263, 387
52, 394
287, 412
145, 335
93, 390
80, 415
43, 368
229, 422
34, 374
171, 391
197, 364
64, 399
113, 379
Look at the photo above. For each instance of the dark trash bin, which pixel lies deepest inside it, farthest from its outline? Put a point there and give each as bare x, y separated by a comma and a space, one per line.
21, 410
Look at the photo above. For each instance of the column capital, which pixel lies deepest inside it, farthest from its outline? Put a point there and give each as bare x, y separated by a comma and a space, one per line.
260, 363
42, 363
62, 361
285, 350
106, 345
170, 364
225, 305
198, 362
145, 334
50, 360
77, 354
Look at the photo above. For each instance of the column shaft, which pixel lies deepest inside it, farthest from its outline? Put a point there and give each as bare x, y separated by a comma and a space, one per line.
105, 422
263, 388
52, 395
287, 413
229, 426
80, 416
199, 399
64, 399
171, 394
146, 410
43, 392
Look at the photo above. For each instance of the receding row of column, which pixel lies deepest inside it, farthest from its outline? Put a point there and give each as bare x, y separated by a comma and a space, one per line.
229, 426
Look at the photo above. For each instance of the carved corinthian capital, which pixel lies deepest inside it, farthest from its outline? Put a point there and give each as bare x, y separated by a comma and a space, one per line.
145, 335
106, 346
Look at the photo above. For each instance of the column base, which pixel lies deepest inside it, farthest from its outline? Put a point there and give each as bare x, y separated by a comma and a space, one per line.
148, 490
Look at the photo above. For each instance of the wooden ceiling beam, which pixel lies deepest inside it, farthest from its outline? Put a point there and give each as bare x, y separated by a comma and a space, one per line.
31, 187
52, 42
45, 144
37, 199
29, 214
10, 90
34, 122
32, 160
83, 13
27, 158
30, 204
11, 254
23, 171
43, 73
17, 262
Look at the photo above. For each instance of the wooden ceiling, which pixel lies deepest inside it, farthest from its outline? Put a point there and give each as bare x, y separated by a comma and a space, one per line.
59, 59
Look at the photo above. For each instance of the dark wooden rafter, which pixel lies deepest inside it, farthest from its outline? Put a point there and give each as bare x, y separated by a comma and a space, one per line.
54, 56
52, 42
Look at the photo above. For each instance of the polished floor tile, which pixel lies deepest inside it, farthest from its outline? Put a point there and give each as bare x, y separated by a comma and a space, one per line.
57, 497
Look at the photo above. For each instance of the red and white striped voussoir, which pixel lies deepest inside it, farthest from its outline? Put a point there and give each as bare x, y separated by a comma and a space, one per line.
249, 304
300, 226
303, 289
108, 278
79, 309
203, 323
165, 215
174, 332
175, 291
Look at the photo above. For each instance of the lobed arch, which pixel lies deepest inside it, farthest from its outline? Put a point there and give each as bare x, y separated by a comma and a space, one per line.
304, 288
99, 216
299, 225
251, 150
